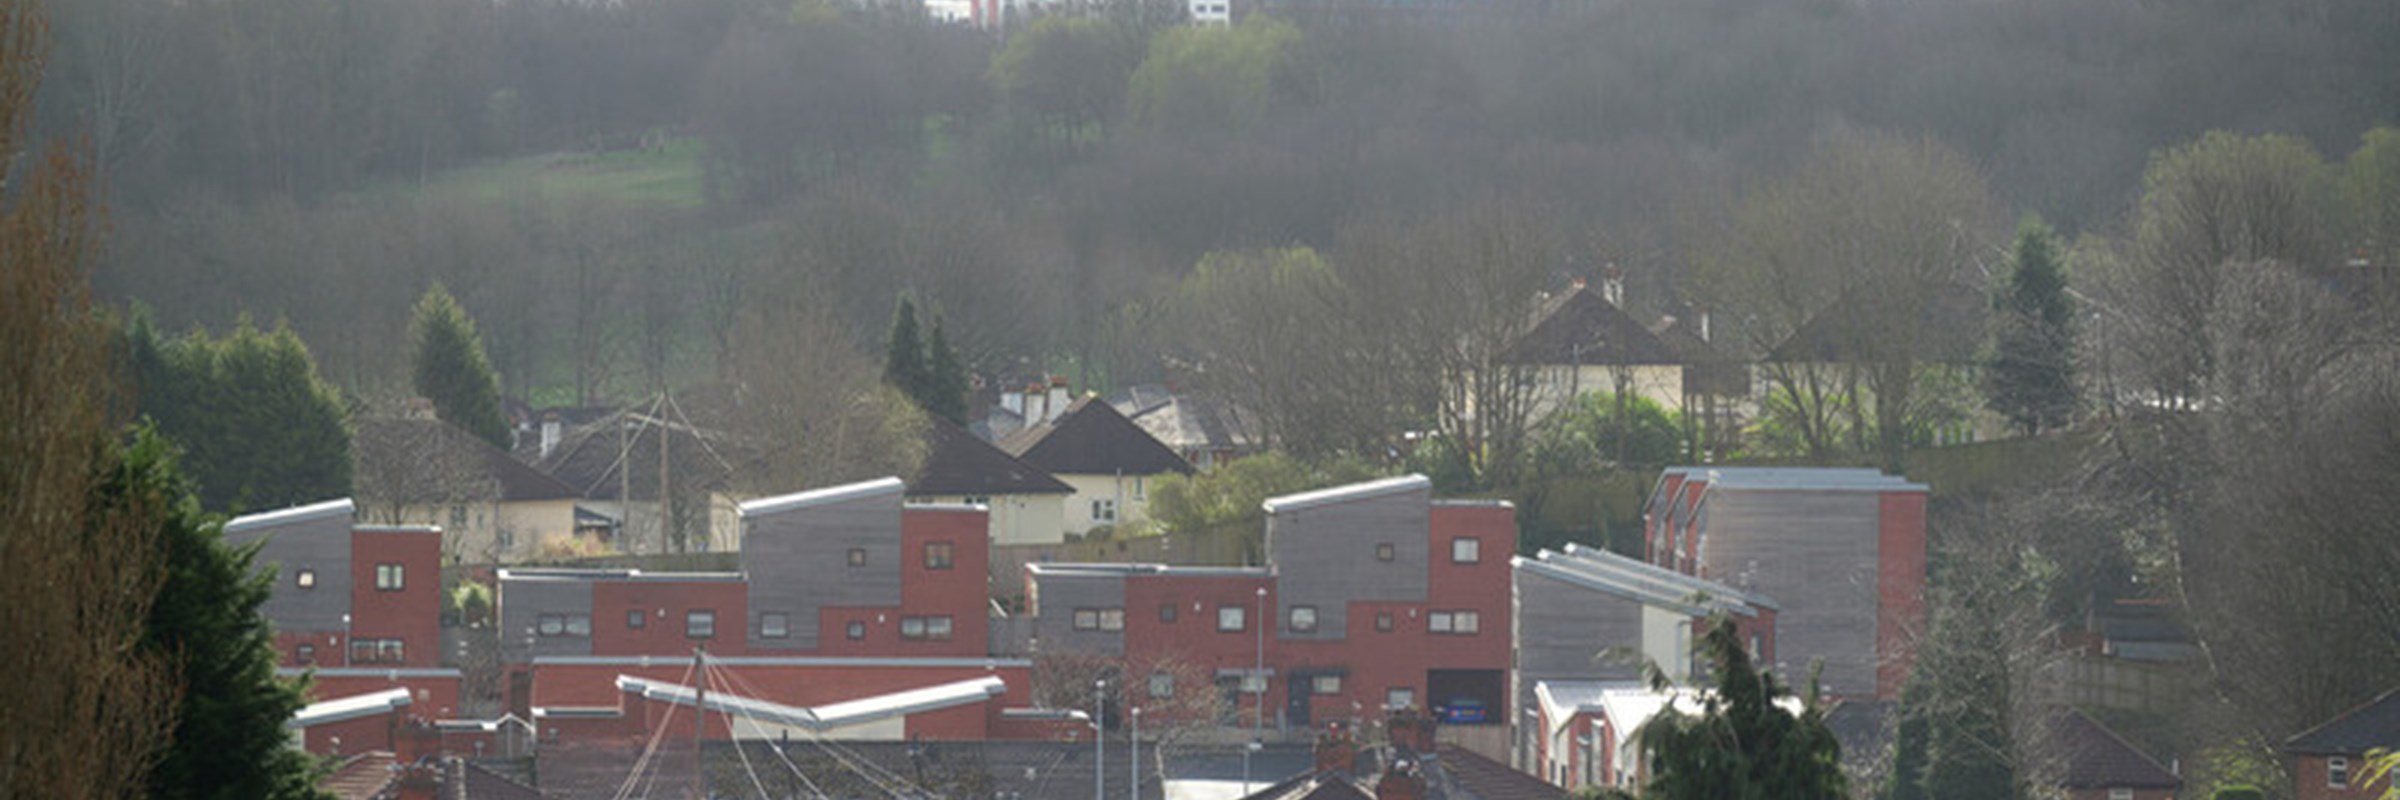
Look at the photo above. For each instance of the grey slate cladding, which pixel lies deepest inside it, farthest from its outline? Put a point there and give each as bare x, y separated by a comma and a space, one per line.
313, 537
796, 552
1064, 592
1815, 553
523, 601
1562, 630
1323, 546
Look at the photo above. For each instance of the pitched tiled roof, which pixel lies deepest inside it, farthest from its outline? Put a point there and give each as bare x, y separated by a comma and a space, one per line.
2098, 758
1474, 777
1093, 439
1949, 321
2371, 725
587, 458
1188, 421
1580, 327
362, 777
957, 463
403, 455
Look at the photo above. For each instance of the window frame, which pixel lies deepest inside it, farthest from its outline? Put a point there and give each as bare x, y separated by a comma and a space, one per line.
1325, 684
1438, 622
856, 631
1086, 619
636, 619
1112, 620
1240, 621
1302, 619
858, 557
941, 555
305, 654
1386, 551
1104, 510
578, 625
1166, 613
1162, 685
774, 625
305, 578
550, 625
1466, 550
939, 627
1385, 622
2337, 772
391, 577
700, 623
1400, 697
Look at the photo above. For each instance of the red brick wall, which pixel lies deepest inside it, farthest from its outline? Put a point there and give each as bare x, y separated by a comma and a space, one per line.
594, 686
411, 614
1900, 588
2308, 780
961, 592
331, 652
354, 735
664, 605
430, 698
1193, 636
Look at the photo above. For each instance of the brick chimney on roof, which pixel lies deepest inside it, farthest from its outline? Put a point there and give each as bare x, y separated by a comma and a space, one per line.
1401, 782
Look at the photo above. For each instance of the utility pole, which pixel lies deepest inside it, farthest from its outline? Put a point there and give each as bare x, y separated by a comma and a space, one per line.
1133, 764
699, 720
1099, 740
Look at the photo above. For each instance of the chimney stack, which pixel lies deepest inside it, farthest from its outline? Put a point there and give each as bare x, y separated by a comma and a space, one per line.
549, 432
1058, 397
1033, 404
1401, 782
1612, 285
1704, 324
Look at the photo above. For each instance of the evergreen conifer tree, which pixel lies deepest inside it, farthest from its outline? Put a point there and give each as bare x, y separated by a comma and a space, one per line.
450, 368
2031, 375
229, 739
946, 379
257, 426
904, 354
1740, 746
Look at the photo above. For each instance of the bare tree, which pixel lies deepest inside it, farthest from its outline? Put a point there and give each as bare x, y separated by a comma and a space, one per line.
813, 404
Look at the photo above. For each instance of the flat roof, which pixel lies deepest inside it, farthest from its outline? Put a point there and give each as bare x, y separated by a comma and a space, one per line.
347, 708
1074, 569
268, 519
833, 715
1598, 558
432, 529
1797, 478
571, 574
827, 495
1345, 494
783, 661
368, 672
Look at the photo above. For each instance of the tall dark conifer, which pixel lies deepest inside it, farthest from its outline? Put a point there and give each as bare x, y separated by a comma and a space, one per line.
2030, 378
904, 353
450, 368
946, 378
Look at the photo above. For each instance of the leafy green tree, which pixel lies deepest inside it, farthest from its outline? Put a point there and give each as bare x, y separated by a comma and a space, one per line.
2370, 187
1068, 73
1216, 78
1602, 429
945, 391
1225, 501
257, 426
449, 367
229, 739
1741, 745
2030, 378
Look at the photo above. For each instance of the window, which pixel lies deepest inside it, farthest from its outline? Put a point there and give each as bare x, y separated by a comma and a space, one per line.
858, 556
458, 516
564, 625
1466, 550
938, 555
1304, 618
377, 651
553, 625
1162, 684
1399, 697
1104, 511
1383, 622
306, 578
1254, 683
391, 577
1112, 619
1384, 552
1137, 487
579, 624
857, 630
305, 654
2337, 772
1166, 612
1231, 618
634, 620
2120, 794
924, 627
1087, 619
774, 626
1326, 684
1462, 623
699, 624
1099, 619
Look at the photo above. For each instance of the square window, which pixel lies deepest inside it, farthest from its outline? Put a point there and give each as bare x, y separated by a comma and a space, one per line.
305, 654
1438, 622
1326, 684
938, 555
937, 627
1231, 618
391, 577
1399, 697
1304, 618
1087, 619
2120, 794
634, 620
912, 627
774, 626
1383, 622
1466, 550
1385, 552
1162, 684
305, 578
1166, 612
579, 624
1255, 683
858, 556
1112, 619
699, 624
390, 651
2337, 772
857, 630
1104, 511
553, 625
1465, 622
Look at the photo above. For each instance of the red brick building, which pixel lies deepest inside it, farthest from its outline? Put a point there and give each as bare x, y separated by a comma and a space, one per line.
1374, 595
2329, 761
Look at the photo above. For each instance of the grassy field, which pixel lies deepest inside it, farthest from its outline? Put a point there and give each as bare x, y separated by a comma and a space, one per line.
668, 176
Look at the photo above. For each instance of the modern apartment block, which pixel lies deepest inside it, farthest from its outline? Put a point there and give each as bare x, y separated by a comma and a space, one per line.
1841, 550
1374, 595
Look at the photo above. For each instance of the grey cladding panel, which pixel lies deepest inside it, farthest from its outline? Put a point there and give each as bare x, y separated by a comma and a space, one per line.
1815, 553
798, 562
1325, 556
321, 544
1562, 629
522, 604
1061, 595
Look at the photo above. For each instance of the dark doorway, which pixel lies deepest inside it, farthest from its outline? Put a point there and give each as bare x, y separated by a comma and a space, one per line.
1467, 696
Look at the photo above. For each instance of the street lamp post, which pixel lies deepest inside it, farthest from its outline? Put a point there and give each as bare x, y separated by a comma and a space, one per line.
1099, 741
1258, 695
1133, 766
